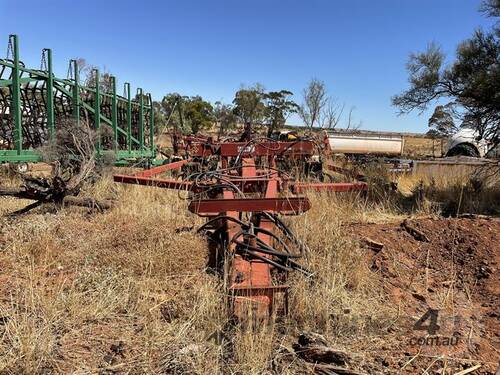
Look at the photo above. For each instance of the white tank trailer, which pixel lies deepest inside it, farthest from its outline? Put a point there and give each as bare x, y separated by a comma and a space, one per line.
366, 144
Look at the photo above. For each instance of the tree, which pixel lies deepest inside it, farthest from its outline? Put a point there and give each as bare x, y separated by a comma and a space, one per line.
159, 118
471, 82
198, 113
249, 105
87, 76
278, 108
433, 133
350, 123
184, 113
315, 100
224, 117
171, 110
331, 114
442, 122
320, 109
490, 8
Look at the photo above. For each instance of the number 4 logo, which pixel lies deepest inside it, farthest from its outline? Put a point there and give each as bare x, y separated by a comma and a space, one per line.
432, 327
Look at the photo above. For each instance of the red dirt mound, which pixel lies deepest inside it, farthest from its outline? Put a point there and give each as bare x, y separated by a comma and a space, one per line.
443, 273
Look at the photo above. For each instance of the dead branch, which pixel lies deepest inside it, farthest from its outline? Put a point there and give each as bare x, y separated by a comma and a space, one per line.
313, 348
371, 244
474, 216
23, 210
333, 370
414, 232
73, 156
87, 202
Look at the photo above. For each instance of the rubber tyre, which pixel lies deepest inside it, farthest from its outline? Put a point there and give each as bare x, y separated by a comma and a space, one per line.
463, 150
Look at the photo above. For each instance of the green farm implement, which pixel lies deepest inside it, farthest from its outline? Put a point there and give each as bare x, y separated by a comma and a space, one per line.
34, 101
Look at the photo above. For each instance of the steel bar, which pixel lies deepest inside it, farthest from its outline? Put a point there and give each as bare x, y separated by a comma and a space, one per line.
97, 110
162, 168
103, 118
21, 80
129, 117
76, 92
36, 100
241, 290
50, 95
141, 119
286, 206
151, 124
114, 113
247, 149
146, 181
252, 149
248, 274
16, 97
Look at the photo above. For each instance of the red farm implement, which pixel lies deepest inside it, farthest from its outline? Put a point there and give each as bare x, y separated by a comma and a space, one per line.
243, 189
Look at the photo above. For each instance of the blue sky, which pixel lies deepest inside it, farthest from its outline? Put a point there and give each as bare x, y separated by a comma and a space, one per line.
210, 48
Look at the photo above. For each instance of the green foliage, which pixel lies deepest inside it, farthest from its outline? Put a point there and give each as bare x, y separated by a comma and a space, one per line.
441, 121
159, 116
224, 117
198, 113
170, 111
491, 8
278, 107
433, 133
471, 82
249, 105
187, 114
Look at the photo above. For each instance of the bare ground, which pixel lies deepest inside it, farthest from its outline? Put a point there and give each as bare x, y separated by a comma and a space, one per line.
455, 272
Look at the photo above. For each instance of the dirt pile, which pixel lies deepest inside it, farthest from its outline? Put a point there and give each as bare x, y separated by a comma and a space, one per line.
442, 274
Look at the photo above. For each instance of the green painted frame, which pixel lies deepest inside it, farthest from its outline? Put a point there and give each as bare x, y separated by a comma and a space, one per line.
135, 148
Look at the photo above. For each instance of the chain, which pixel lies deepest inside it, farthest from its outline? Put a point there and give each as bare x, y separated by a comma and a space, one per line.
69, 74
10, 48
43, 62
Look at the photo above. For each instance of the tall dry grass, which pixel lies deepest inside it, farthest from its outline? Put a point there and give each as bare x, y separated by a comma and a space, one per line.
451, 192
344, 301
126, 291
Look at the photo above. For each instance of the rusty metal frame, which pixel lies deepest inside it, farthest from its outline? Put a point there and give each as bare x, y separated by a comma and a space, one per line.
285, 206
251, 192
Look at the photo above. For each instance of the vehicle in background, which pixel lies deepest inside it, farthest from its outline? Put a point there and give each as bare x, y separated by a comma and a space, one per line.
366, 144
285, 135
466, 142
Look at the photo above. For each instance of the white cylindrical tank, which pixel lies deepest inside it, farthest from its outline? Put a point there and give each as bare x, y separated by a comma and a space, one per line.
366, 144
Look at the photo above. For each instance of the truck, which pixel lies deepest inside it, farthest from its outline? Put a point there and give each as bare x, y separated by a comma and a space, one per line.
467, 142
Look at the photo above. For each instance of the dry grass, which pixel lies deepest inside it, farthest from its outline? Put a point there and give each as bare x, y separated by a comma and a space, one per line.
415, 147
452, 192
125, 292
77, 284
344, 302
